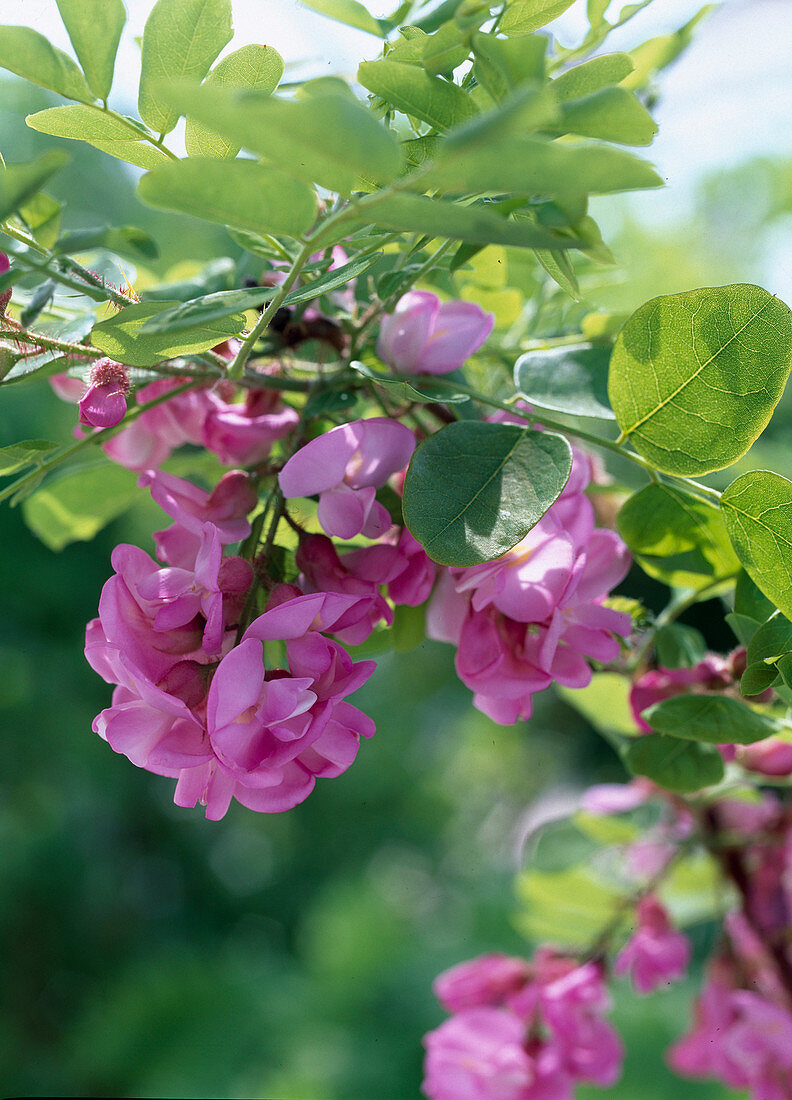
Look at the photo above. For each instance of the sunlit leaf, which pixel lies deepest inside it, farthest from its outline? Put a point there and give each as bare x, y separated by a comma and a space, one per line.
95, 28
757, 508
29, 54
106, 132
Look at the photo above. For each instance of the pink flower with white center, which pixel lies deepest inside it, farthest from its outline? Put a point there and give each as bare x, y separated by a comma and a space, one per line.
487, 980
655, 954
346, 466
104, 405
711, 674
243, 434
423, 336
148, 441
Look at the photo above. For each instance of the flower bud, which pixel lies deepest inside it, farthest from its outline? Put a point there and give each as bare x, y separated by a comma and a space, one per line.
104, 403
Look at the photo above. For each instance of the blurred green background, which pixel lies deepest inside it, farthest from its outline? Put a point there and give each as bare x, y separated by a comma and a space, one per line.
149, 952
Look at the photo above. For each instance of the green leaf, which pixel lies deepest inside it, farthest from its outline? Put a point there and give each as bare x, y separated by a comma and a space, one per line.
121, 337
605, 703
743, 626
104, 131
714, 719
259, 68
210, 307
437, 53
613, 114
677, 539
695, 377
571, 380
758, 678
504, 480
531, 166
683, 766
20, 182
240, 193
413, 91
126, 240
503, 64
436, 218
413, 388
29, 54
78, 505
350, 13
42, 214
559, 267
568, 907
784, 667
679, 646
757, 508
181, 38
94, 28
332, 280
748, 600
527, 16
598, 72
19, 455
771, 640
409, 627
326, 138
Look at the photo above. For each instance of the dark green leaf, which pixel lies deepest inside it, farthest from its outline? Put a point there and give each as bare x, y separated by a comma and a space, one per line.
27, 453
743, 626
123, 339
758, 678
527, 16
413, 91
771, 640
111, 134
757, 508
259, 68
504, 480
29, 54
715, 719
570, 380
679, 646
683, 766
678, 539
181, 39
240, 193
78, 505
596, 73
199, 311
219, 274
420, 388
94, 28
126, 240
748, 600
695, 377
784, 666
559, 267
20, 182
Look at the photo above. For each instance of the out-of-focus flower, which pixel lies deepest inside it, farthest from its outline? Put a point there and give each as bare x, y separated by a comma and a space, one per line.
655, 954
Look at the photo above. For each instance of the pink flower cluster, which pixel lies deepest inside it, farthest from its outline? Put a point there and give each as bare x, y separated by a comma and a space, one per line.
536, 614
521, 1031
655, 955
258, 721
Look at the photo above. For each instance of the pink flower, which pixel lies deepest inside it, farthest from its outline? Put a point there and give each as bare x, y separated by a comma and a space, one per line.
422, 336
151, 437
346, 466
5, 296
104, 405
654, 955
479, 1054
712, 673
487, 980
243, 434
322, 570
769, 757
615, 798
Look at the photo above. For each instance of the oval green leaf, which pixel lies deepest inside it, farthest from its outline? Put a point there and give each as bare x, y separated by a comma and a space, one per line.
757, 508
504, 480
683, 766
714, 719
695, 377
29, 54
240, 193
413, 91
209, 307
94, 28
570, 380
123, 339
109, 133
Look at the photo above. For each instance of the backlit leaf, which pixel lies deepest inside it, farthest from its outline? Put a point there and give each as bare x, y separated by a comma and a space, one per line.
94, 28
527, 16
19, 182
121, 337
413, 91
29, 54
757, 508
106, 132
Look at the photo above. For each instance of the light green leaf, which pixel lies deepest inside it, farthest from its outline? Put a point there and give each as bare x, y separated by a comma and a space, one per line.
94, 28
437, 53
240, 193
559, 267
605, 703
332, 280
259, 68
199, 311
181, 39
20, 182
436, 218
613, 114
757, 508
425, 390
107, 132
126, 240
527, 16
532, 166
29, 54
351, 13
19, 455
568, 907
677, 539
570, 380
714, 719
505, 479
78, 505
695, 377
409, 89
598, 72
326, 138
42, 214
683, 766
121, 337
503, 64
